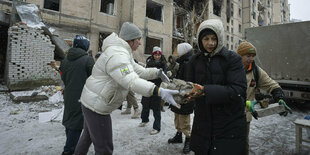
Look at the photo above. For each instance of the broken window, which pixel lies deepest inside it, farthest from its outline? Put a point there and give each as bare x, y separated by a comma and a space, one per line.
232, 9
180, 21
228, 11
217, 7
107, 6
240, 28
254, 15
154, 10
102, 36
150, 43
51, 4
239, 12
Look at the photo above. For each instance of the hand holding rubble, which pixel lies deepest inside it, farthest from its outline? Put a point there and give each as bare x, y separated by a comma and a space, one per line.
163, 76
54, 66
167, 95
287, 108
250, 106
197, 91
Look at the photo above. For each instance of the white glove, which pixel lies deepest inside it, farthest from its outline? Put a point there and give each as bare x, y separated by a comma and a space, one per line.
166, 95
163, 76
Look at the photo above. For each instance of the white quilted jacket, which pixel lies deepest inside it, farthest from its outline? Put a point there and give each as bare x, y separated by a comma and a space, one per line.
113, 75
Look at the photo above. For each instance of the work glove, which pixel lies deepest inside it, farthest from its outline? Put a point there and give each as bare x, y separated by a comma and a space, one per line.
287, 108
197, 91
250, 106
167, 96
163, 76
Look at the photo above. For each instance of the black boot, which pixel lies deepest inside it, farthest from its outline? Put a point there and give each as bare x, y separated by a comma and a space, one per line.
186, 148
176, 139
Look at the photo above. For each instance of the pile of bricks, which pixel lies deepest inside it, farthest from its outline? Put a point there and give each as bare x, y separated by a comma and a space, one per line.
29, 53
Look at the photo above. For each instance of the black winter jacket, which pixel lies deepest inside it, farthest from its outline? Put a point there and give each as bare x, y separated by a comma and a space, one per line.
185, 108
219, 115
76, 68
155, 101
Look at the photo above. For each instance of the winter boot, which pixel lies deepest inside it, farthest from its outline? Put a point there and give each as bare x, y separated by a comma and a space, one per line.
162, 106
186, 148
136, 114
176, 139
126, 112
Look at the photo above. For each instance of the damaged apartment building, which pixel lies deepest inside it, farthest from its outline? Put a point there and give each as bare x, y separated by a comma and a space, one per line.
163, 23
237, 15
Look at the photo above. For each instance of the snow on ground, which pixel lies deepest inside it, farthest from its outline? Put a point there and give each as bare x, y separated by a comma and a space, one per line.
21, 132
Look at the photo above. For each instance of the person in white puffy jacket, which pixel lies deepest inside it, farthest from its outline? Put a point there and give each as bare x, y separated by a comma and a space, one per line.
115, 74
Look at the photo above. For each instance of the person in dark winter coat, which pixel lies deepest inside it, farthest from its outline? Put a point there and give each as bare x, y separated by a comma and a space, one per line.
219, 125
173, 67
182, 120
75, 68
153, 102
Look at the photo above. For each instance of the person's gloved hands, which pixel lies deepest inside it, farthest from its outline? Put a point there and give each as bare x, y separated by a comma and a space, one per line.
250, 106
163, 76
167, 95
197, 91
287, 108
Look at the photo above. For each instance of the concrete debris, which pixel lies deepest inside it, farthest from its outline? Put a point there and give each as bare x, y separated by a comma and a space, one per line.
181, 85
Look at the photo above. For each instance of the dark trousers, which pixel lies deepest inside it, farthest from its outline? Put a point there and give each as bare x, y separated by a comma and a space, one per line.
154, 103
72, 139
97, 130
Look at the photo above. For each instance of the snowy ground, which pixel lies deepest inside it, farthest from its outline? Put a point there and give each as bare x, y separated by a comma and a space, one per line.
21, 132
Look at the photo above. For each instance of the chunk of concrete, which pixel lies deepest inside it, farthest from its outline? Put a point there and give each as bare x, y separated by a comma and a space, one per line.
270, 110
28, 96
182, 86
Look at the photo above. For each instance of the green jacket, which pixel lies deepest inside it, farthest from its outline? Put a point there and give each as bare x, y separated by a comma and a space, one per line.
75, 68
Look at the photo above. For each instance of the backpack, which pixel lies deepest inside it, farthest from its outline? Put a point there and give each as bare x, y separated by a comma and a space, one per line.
256, 73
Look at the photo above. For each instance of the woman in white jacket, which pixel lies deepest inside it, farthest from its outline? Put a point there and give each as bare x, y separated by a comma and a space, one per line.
114, 74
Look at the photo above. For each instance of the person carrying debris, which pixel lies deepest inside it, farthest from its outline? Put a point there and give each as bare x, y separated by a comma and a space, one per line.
75, 68
153, 102
182, 120
114, 74
257, 78
219, 125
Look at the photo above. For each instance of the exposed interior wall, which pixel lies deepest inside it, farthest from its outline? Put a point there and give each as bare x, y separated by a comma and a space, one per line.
28, 55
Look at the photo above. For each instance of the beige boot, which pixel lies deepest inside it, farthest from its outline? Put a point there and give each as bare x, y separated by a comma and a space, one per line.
136, 114
126, 112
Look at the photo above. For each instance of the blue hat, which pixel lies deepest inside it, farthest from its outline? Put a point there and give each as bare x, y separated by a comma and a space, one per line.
81, 42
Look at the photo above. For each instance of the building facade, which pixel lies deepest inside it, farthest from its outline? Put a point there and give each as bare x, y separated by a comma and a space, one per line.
158, 20
96, 19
